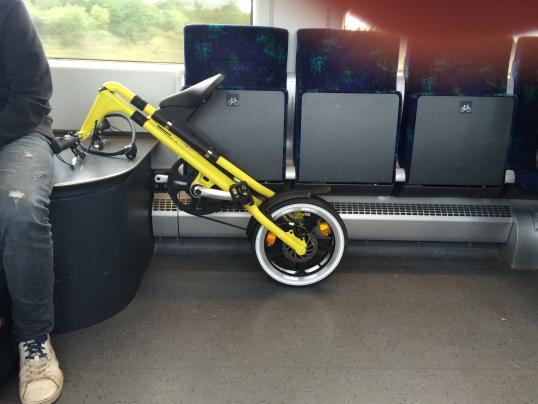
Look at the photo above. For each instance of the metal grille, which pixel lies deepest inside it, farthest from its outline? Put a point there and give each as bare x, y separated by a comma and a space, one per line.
406, 209
164, 204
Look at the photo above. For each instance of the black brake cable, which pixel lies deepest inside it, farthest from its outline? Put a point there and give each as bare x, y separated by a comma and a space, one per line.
60, 158
215, 220
96, 135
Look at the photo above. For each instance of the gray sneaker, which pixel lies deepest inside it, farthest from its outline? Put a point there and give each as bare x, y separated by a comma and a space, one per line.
40, 379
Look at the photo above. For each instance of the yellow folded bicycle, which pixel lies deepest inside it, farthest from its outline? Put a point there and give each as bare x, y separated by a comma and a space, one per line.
297, 237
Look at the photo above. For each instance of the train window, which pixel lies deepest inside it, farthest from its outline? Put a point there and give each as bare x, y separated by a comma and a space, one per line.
354, 23
127, 30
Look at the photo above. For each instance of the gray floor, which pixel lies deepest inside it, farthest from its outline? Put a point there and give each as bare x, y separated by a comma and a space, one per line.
417, 324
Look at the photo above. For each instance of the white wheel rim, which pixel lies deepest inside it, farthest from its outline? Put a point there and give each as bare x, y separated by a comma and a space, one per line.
339, 245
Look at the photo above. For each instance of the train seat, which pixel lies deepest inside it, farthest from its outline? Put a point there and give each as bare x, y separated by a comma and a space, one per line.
457, 114
523, 156
347, 107
246, 116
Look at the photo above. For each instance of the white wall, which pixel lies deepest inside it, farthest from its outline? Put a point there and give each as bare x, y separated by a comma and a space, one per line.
76, 84
297, 14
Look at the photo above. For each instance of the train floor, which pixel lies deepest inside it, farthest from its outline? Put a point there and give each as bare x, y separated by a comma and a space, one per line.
395, 324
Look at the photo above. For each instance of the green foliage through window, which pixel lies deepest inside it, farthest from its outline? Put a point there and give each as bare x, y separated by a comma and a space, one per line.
137, 30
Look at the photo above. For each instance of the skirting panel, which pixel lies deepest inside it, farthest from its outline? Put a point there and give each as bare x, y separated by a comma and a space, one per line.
370, 218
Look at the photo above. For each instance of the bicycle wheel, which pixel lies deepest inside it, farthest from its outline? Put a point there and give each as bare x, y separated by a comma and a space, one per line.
313, 220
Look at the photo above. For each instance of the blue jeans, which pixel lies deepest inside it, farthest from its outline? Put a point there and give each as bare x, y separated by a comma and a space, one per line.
26, 180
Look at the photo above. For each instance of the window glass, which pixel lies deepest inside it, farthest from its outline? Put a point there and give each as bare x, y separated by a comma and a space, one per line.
130, 30
354, 23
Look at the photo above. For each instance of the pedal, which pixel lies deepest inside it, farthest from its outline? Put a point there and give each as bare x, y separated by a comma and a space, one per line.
241, 194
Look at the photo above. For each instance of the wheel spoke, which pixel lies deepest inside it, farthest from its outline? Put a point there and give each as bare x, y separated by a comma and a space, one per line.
325, 244
273, 252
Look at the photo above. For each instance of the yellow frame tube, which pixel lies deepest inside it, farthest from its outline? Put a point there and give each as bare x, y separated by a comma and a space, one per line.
115, 98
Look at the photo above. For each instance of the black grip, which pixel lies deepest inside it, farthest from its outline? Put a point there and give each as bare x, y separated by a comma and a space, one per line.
60, 144
139, 102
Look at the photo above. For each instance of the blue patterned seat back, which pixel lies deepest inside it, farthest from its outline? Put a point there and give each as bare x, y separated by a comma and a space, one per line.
339, 61
251, 58
346, 61
474, 68
525, 134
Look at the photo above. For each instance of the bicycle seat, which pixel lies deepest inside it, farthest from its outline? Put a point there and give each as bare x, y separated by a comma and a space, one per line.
193, 96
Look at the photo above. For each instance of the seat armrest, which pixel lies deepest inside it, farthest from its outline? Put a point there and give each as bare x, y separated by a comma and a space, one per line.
400, 175
510, 177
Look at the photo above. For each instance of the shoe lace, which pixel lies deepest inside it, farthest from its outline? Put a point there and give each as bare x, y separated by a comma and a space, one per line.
36, 359
35, 347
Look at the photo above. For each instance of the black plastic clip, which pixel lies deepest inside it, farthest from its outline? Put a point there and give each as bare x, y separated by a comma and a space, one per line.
241, 194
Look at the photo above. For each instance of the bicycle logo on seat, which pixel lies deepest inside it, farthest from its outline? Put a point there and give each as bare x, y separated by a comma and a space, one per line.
466, 107
232, 100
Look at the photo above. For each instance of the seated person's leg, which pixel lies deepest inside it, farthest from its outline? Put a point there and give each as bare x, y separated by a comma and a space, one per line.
26, 170
26, 180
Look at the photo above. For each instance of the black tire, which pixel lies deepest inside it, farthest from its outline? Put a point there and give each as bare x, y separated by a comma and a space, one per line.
322, 265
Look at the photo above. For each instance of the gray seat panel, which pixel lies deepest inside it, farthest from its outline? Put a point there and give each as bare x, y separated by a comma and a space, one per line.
452, 148
246, 127
348, 138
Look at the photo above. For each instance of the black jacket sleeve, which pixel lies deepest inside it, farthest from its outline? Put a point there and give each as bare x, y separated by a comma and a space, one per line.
27, 75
